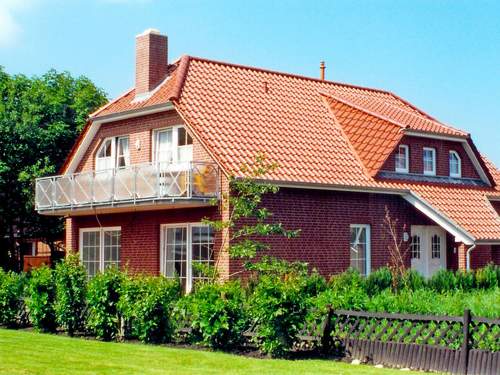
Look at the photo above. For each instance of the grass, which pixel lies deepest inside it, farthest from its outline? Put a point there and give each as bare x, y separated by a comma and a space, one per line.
24, 352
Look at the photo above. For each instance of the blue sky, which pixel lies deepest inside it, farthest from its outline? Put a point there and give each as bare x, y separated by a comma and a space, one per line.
443, 56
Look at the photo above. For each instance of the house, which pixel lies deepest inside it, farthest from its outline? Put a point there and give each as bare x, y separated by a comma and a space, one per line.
139, 180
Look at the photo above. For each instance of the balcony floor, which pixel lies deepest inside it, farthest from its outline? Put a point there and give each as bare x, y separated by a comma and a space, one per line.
121, 207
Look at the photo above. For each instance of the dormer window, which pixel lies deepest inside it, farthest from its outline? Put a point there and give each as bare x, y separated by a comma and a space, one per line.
429, 161
402, 159
455, 165
113, 153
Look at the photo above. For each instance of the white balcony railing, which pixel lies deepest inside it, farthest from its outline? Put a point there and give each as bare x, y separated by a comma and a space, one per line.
133, 184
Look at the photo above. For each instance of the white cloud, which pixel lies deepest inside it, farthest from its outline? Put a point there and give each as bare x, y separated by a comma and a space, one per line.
10, 28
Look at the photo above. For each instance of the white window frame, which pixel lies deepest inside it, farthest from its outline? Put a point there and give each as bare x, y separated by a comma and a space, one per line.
101, 230
407, 159
459, 160
433, 171
189, 249
368, 244
114, 152
175, 143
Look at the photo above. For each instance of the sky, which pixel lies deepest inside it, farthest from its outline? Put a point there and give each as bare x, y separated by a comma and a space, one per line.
443, 56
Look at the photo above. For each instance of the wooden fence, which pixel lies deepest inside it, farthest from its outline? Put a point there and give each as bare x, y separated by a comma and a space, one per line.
458, 345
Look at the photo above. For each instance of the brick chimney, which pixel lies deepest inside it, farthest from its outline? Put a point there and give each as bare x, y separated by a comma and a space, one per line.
151, 60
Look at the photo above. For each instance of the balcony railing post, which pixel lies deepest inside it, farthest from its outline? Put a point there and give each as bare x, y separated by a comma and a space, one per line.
134, 191
53, 186
190, 179
72, 196
92, 198
157, 184
113, 176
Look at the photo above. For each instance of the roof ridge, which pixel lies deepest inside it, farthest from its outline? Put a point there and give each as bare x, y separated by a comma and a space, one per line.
346, 138
183, 66
292, 75
359, 108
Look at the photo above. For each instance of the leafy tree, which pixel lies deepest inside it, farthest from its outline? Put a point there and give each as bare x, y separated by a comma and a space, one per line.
248, 223
40, 117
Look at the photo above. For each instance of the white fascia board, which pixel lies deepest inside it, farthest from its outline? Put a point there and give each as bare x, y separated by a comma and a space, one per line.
464, 143
99, 120
440, 219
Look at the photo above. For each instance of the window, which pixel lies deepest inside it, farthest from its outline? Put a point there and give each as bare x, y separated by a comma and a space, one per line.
455, 164
183, 246
360, 248
429, 160
173, 145
100, 248
402, 159
113, 153
415, 247
436, 247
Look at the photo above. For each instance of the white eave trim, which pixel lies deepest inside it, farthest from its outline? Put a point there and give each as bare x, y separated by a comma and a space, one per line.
465, 144
445, 223
97, 121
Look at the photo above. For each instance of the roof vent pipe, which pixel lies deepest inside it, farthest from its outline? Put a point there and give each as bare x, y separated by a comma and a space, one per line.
322, 70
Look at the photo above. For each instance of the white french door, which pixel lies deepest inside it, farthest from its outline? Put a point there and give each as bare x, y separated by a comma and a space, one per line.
427, 249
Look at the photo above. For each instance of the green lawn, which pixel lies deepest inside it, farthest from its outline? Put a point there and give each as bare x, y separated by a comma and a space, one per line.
24, 352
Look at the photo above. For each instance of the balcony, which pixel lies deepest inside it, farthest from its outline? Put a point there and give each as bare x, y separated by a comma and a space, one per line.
137, 187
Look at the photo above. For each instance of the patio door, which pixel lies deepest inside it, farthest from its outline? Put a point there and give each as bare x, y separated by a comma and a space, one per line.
427, 249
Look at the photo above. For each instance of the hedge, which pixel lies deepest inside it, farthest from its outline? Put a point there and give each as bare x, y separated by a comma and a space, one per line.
276, 302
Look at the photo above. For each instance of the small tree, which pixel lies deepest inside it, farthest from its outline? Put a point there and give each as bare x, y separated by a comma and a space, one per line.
247, 220
397, 251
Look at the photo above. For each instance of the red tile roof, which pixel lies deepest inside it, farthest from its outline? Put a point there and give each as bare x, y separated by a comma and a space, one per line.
318, 132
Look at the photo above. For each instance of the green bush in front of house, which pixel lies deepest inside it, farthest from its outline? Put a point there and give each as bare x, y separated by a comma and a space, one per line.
103, 295
12, 287
71, 288
146, 304
218, 314
41, 293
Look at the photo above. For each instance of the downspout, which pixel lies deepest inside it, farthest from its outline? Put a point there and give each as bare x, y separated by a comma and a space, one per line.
467, 257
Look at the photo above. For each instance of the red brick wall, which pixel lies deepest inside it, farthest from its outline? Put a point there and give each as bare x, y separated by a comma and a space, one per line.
140, 233
139, 129
324, 219
416, 145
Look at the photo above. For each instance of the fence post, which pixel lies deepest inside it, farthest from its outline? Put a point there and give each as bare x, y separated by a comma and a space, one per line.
464, 353
326, 338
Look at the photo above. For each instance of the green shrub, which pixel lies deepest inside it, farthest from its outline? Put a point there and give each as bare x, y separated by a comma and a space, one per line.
146, 302
278, 306
11, 298
71, 284
41, 297
345, 291
465, 280
378, 281
442, 281
103, 295
487, 277
413, 280
218, 314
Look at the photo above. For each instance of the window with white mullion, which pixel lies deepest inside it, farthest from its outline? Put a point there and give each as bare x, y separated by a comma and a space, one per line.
429, 161
184, 246
99, 249
455, 164
402, 159
360, 248
173, 145
113, 153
